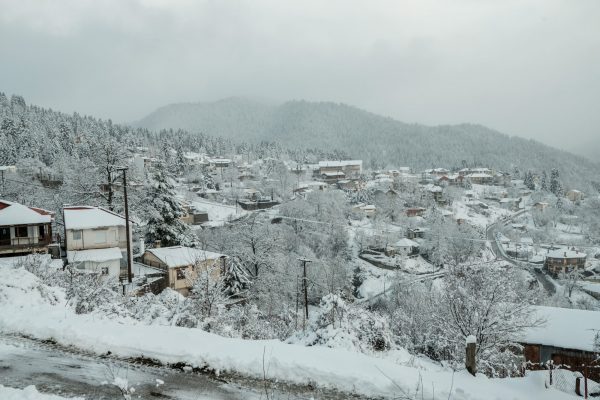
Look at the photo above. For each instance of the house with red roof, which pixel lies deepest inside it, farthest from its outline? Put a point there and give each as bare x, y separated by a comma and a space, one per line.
23, 229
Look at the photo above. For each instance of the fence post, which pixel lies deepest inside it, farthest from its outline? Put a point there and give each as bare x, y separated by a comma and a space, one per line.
471, 349
585, 381
550, 369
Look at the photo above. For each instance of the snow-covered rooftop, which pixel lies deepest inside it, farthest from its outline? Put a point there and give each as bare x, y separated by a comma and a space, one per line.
343, 163
86, 217
180, 256
18, 214
564, 327
95, 255
405, 242
565, 253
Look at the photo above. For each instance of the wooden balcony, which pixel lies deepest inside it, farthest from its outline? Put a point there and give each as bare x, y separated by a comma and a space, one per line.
24, 245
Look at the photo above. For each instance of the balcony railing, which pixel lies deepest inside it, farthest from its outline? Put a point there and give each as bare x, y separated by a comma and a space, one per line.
24, 243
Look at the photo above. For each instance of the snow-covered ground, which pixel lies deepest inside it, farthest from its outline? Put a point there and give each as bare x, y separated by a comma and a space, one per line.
71, 374
411, 265
219, 213
29, 307
476, 215
29, 393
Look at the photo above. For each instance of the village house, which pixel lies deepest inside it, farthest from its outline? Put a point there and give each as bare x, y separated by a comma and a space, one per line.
7, 169
452, 179
437, 193
143, 163
574, 195
564, 260
540, 205
310, 186
193, 215
437, 172
349, 168
502, 179
481, 178
182, 265
219, 162
368, 209
333, 177
414, 233
403, 247
95, 239
24, 230
510, 203
347, 184
565, 338
415, 211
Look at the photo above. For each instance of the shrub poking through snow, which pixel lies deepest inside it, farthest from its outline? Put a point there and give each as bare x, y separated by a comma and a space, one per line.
343, 325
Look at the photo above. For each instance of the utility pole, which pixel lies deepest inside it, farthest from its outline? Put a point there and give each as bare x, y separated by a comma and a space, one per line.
127, 234
305, 288
297, 301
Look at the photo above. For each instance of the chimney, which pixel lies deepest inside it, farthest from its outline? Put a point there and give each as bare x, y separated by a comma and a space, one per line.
157, 243
565, 254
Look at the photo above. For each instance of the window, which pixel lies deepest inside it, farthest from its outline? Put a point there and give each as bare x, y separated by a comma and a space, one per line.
104, 270
76, 235
21, 231
180, 274
41, 231
100, 236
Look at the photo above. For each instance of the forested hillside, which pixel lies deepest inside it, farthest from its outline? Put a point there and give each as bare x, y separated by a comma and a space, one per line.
79, 155
380, 141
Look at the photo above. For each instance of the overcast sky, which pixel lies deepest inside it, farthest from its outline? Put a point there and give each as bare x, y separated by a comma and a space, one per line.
525, 67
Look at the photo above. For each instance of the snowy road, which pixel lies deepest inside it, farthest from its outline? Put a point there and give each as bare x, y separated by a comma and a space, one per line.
25, 362
538, 274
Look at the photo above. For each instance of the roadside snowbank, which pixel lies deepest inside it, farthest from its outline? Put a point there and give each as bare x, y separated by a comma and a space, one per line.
29, 393
28, 307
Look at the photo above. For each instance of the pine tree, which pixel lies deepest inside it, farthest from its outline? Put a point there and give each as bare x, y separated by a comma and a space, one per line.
528, 181
544, 182
179, 163
164, 213
559, 203
555, 185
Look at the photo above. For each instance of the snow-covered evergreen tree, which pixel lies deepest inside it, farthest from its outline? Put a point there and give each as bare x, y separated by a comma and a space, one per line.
544, 181
164, 211
528, 181
555, 185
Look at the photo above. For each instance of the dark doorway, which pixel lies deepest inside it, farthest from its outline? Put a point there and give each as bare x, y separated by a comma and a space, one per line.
4, 236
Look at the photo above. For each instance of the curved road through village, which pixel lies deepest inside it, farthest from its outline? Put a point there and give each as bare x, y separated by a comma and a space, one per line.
491, 232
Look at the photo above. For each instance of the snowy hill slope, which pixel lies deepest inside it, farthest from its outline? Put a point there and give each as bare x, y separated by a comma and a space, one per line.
379, 140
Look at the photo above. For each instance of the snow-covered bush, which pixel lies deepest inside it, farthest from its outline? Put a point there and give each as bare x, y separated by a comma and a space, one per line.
85, 292
166, 308
343, 325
